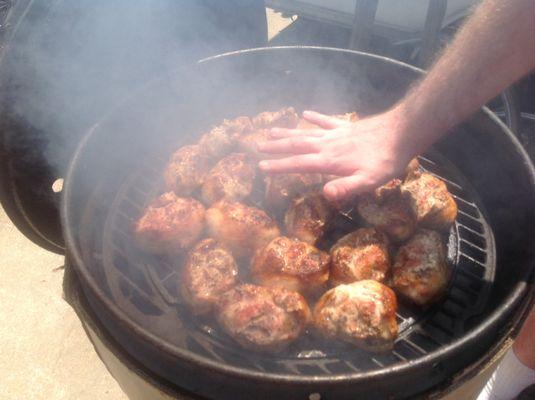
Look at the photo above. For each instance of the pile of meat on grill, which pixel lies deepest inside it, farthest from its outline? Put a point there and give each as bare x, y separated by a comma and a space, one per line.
258, 266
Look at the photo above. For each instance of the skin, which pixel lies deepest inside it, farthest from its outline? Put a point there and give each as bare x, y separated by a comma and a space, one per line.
524, 345
495, 48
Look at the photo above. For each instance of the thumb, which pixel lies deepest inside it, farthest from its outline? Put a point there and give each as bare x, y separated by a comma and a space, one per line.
343, 188
324, 121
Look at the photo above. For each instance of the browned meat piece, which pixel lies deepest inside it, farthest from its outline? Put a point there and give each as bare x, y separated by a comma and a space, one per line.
290, 264
282, 188
362, 313
350, 116
308, 217
283, 118
210, 271
231, 178
241, 228
430, 201
391, 188
170, 225
386, 210
420, 272
360, 255
221, 139
186, 170
263, 319
413, 169
248, 144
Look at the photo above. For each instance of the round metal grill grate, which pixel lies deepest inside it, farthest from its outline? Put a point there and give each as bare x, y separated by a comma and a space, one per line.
144, 287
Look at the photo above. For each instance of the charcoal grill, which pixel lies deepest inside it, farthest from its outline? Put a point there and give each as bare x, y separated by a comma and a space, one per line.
116, 170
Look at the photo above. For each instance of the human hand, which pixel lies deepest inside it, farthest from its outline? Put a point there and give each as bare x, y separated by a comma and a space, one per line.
364, 154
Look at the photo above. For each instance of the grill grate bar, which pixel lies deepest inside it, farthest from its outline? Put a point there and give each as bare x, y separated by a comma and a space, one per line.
447, 181
379, 363
132, 283
472, 245
259, 367
323, 367
469, 203
125, 216
140, 291
427, 160
159, 285
352, 366
414, 346
401, 358
140, 192
139, 207
476, 219
168, 276
471, 230
472, 259
209, 348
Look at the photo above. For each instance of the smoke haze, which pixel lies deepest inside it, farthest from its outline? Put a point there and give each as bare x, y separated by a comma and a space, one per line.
70, 61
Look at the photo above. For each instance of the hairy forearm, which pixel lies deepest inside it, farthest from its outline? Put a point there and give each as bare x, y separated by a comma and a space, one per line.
492, 50
495, 48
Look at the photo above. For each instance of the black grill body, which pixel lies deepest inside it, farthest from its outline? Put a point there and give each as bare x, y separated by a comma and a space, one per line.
115, 171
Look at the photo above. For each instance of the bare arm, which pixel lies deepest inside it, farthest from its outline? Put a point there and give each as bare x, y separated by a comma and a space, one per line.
494, 48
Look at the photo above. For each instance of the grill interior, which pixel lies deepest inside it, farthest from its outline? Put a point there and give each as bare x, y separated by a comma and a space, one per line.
145, 287
138, 307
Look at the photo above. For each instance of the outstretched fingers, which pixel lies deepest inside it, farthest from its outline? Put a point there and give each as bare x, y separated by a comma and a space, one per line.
325, 121
292, 145
344, 188
300, 163
281, 133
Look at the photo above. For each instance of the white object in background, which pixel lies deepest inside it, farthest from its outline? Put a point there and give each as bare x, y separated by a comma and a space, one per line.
509, 379
403, 15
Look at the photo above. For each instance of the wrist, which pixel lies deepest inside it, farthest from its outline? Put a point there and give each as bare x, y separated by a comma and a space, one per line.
416, 128
402, 138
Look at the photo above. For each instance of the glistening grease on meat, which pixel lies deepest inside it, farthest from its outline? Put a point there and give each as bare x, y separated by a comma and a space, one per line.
221, 139
430, 201
186, 170
386, 210
283, 118
210, 271
263, 319
170, 225
231, 178
420, 273
291, 264
359, 255
362, 313
308, 217
239, 227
